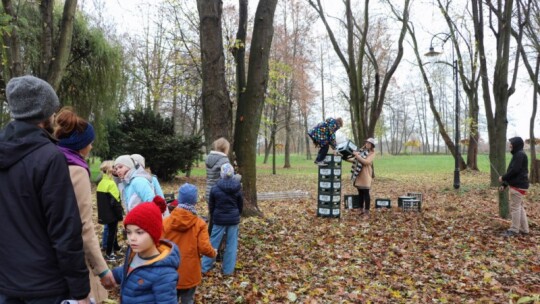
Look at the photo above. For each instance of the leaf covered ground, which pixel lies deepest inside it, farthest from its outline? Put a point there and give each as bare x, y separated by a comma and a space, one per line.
451, 252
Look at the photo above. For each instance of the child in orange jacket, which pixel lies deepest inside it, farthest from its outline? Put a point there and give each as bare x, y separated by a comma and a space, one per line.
190, 234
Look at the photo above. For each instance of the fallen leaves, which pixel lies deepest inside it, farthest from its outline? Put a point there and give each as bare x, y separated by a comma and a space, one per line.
452, 252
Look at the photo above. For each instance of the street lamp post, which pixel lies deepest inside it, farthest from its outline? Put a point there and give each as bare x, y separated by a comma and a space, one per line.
433, 53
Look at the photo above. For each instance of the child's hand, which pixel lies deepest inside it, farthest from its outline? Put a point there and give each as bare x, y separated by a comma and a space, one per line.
108, 280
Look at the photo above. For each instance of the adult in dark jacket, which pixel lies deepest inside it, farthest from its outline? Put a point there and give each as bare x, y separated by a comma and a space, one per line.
42, 259
226, 204
517, 177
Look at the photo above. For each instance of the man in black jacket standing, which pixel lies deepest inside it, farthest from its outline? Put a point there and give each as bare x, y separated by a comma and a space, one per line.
517, 177
41, 256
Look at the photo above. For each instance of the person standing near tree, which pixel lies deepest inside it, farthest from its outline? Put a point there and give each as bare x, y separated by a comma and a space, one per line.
42, 258
517, 177
75, 138
226, 204
215, 159
323, 136
362, 173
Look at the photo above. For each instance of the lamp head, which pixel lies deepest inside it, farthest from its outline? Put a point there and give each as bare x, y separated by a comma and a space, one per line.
432, 52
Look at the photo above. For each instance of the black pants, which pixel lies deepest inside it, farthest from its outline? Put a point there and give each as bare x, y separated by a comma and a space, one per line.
365, 198
112, 242
322, 153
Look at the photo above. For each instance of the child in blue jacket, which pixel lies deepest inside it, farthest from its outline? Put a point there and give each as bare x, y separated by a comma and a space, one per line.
149, 273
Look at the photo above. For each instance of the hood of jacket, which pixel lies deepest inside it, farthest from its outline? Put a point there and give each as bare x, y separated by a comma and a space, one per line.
182, 219
229, 185
169, 255
517, 144
213, 157
139, 172
18, 139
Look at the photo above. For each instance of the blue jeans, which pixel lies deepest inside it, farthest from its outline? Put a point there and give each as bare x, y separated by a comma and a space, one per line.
45, 300
229, 257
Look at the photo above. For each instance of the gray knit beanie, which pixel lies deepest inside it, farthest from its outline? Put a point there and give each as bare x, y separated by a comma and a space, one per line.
31, 99
125, 160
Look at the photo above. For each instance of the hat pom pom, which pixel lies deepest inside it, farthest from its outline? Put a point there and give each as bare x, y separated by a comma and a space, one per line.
160, 202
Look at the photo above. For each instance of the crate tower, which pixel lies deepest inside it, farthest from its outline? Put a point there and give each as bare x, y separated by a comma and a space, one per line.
329, 187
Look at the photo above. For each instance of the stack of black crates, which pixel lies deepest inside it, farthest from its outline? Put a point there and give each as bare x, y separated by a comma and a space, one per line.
329, 185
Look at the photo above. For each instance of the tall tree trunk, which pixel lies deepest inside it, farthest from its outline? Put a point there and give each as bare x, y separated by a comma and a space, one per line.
216, 102
46, 8
63, 48
534, 175
251, 101
306, 130
501, 12
12, 39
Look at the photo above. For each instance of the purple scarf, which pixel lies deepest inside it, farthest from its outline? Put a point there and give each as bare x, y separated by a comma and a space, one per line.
74, 158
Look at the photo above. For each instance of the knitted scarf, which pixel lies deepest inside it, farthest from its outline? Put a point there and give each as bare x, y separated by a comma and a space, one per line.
188, 208
357, 166
74, 158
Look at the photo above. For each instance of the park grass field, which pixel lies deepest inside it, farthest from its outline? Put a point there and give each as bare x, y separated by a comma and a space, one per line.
451, 252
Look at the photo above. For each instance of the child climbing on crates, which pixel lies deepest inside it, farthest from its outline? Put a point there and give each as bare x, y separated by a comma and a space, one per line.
323, 136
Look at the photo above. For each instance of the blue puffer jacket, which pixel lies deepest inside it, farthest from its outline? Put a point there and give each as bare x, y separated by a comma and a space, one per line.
226, 202
154, 282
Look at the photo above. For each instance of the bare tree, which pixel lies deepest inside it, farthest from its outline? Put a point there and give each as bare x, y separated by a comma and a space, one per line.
441, 126
251, 99
469, 78
501, 15
531, 48
365, 114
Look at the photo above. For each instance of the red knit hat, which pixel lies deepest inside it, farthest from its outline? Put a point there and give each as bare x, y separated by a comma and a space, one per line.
161, 203
146, 215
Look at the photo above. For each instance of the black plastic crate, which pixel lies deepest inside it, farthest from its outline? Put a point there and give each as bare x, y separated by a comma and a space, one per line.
411, 205
323, 211
332, 160
328, 173
169, 197
329, 198
331, 205
346, 149
330, 187
416, 195
402, 198
383, 203
351, 201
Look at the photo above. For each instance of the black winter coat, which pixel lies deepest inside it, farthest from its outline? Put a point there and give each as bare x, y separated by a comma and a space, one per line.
517, 174
42, 249
226, 202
